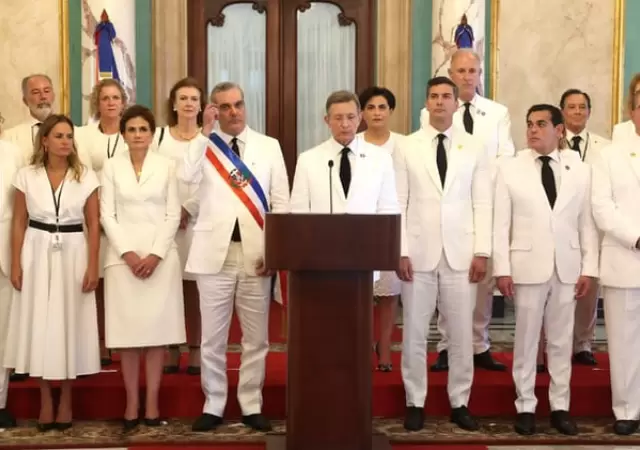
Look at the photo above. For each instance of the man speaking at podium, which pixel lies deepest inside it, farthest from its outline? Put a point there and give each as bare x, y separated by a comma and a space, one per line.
344, 174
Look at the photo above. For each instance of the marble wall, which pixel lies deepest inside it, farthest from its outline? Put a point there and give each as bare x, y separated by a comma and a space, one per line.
29, 43
548, 46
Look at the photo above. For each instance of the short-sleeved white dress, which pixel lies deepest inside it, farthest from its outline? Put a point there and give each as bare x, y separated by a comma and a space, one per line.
388, 285
53, 327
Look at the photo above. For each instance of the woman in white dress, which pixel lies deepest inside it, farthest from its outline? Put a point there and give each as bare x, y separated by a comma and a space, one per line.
378, 104
144, 309
53, 330
184, 118
100, 141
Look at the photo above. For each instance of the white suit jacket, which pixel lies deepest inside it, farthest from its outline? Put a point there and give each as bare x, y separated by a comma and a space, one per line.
530, 240
372, 189
615, 199
491, 125
140, 216
623, 131
456, 219
23, 136
220, 206
10, 161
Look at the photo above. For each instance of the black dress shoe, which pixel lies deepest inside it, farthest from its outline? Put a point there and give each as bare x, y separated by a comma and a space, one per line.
193, 370
206, 422
257, 422
44, 427
525, 424
625, 427
414, 418
62, 426
442, 363
541, 368
585, 358
485, 361
152, 422
18, 376
462, 417
130, 424
6, 419
562, 421
170, 370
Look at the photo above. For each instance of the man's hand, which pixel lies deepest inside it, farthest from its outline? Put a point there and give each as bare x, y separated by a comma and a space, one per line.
478, 269
505, 286
583, 286
405, 269
209, 118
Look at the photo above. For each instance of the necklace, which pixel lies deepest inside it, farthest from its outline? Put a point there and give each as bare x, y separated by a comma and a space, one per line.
186, 138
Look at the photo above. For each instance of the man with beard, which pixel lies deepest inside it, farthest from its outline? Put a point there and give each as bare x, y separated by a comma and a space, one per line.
38, 95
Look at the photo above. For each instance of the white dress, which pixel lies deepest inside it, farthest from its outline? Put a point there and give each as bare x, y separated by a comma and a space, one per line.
99, 147
141, 216
174, 149
53, 327
388, 284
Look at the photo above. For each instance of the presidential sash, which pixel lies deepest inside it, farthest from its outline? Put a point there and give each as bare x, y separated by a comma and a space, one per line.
246, 187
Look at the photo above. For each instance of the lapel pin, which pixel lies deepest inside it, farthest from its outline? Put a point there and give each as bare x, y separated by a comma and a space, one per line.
633, 154
567, 167
459, 147
362, 155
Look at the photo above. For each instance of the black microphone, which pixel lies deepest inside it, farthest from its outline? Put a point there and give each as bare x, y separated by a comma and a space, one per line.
331, 186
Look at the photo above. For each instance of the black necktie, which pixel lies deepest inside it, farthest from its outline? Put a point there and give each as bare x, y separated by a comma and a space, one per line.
235, 236
345, 170
441, 158
467, 119
548, 180
575, 144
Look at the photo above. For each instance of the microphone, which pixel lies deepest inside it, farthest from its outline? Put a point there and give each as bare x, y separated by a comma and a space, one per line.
331, 186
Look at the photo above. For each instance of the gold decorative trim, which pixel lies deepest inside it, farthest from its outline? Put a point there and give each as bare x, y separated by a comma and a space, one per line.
618, 61
63, 33
493, 45
154, 13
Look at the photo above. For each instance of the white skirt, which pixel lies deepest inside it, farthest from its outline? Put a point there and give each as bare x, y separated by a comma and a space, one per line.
144, 313
183, 241
388, 285
53, 325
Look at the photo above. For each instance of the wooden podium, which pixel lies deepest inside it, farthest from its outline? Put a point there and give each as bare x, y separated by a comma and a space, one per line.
330, 259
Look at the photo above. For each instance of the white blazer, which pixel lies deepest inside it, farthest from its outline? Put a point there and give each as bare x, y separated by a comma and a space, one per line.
615, 199
220, 206
456, 219
140, 216
623, 131
373, 184
10, 161
530, 240
491, 125
23, 136
593, 146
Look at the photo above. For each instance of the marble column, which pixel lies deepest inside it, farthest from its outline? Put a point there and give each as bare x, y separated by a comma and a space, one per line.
121, 14
394, 58
169, 19
447, 16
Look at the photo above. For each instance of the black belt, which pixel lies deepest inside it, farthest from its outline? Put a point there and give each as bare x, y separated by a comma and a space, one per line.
53, 228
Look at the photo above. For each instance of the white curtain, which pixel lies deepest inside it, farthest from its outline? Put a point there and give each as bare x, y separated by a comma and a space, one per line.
237, 52
326, 63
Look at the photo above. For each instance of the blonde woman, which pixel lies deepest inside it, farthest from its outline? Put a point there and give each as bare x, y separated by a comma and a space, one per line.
142, 276
101, 141
625, 130
53, 331
184, 118
378, 104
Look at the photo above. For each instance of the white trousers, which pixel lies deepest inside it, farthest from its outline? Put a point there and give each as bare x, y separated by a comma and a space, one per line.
552, 304
622, 322
454, 296
482, 314
6, 293
218, 293
585, 321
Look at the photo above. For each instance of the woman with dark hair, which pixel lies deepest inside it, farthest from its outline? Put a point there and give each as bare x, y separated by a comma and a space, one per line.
140, 212
378, 104
53, 331
184, 118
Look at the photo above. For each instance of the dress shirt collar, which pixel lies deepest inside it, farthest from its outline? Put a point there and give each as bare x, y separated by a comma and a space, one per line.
583, 134
242, 137
337, 147
554, 155
472, 102
432, 133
